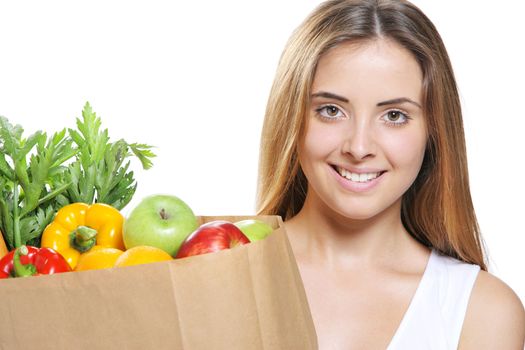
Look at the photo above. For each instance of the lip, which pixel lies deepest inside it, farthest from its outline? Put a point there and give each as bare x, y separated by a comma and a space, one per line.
358, 187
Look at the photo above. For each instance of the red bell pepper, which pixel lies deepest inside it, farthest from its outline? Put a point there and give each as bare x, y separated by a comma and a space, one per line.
31, 261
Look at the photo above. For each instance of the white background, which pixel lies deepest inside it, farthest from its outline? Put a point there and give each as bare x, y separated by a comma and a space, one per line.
192, 78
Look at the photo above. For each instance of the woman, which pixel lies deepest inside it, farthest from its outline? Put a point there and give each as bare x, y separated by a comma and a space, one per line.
363, 155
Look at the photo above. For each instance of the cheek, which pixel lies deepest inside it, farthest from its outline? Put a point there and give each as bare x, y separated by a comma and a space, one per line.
406, 150
319, 141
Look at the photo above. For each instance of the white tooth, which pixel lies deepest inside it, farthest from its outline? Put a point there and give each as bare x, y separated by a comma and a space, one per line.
342, 172
364, 177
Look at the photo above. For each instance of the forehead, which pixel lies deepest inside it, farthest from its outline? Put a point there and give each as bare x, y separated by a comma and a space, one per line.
379, 68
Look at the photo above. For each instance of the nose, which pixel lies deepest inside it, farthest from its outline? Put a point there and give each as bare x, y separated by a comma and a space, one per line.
360, 141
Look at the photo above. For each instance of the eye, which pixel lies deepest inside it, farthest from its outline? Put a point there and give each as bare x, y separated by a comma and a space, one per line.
396, 117
329, 112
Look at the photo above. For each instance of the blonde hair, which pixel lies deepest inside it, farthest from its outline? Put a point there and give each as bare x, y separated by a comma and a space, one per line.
437, 209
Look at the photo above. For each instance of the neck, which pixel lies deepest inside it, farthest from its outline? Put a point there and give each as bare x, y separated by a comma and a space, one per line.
324, 236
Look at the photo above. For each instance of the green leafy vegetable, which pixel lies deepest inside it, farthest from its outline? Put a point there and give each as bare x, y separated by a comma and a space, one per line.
28, 192
39, 175
101, 172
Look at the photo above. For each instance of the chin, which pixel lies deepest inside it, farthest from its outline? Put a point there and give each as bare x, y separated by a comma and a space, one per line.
358, 212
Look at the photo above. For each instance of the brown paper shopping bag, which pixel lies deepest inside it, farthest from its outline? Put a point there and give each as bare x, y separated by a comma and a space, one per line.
249, 297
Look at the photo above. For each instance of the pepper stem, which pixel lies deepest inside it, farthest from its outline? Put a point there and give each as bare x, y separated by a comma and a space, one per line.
20, 269
83, 238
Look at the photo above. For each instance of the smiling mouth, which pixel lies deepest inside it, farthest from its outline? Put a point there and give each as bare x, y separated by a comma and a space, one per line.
355, 177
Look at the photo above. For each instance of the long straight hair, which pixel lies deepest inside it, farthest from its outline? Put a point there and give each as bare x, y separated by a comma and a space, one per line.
437, 209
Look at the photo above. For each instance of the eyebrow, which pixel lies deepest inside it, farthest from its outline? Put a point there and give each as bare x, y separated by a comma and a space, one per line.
383, 103
398, 100
330, 95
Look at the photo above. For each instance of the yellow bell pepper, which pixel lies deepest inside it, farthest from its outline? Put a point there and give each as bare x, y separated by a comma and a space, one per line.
78, 227
3, 247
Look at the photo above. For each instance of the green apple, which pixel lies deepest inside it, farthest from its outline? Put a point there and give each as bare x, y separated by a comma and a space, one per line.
254, 229
161, 221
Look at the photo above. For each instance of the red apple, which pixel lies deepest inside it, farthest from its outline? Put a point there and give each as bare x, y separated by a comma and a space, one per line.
211, 237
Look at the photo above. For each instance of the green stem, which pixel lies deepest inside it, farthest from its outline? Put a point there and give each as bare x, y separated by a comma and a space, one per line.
16, 218
7, 224
83, 238
20, 269
53, 194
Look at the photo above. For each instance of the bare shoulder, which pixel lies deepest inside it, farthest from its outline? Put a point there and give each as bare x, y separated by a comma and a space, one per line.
495, 316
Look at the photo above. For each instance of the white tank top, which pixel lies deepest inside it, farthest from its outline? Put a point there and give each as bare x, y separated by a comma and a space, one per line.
435, 315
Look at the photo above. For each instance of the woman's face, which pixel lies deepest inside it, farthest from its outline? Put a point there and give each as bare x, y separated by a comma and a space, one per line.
366, 133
